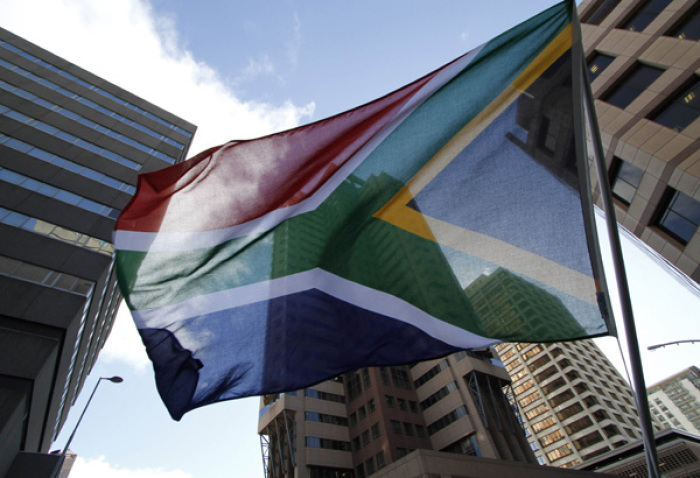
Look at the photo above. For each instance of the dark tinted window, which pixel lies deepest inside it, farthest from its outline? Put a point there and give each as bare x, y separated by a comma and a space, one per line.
644, 15
624, 180
632, 85
600, 11
596, 64
682, 109
689, 26
679, 215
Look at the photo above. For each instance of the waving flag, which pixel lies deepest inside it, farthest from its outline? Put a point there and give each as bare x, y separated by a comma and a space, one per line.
451, 214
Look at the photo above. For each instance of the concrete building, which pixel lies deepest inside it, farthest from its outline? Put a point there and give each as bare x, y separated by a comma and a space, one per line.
678, 451
365, 420
71, 145
574, 403
675, 401
643, 58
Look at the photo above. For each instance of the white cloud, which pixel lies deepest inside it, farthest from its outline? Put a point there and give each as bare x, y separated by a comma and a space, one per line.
261, 66
294, 44
92, 467
126, 44
124, 343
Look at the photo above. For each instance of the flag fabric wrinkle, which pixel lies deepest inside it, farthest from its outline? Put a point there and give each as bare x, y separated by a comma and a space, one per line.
447, 215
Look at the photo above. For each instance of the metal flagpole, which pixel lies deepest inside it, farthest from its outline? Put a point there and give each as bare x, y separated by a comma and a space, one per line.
635, 360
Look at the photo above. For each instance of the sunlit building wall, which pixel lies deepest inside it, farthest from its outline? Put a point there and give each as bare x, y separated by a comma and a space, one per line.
675, 401
643, 59
573, 402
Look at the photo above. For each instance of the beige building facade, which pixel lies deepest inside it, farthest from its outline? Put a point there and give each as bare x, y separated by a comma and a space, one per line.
574, 403
643, 59
362, 422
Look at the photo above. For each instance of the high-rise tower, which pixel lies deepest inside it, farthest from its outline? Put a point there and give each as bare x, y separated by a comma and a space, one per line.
365, 420
71, 146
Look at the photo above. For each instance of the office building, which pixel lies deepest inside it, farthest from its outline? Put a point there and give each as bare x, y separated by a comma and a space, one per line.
643, 57
71, 146
675, 401
365, 420
573, 402
678, 452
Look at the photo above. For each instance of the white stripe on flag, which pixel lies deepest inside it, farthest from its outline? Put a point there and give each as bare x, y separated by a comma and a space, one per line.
319, 279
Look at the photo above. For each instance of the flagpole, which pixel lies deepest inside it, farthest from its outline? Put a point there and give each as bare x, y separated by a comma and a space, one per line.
635, 360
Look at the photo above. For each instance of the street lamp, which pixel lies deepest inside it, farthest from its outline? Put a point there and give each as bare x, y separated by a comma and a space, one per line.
57, 469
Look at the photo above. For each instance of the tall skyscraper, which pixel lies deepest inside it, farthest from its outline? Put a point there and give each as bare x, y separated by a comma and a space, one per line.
643, 58
364, 420
574, 403
675, 401
71, 145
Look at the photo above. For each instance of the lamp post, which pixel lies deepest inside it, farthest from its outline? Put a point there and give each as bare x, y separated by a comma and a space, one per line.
57, 469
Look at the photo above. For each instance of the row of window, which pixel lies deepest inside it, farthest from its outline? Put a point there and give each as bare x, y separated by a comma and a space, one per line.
442, 365
439, 395
331, 397
677, 112
687, 27
38, 226
63, 163
326, 418
403, 404
363, 439
370, 466
327, 443
408, 429
102, 92
677, 214
363, 411
447, 419
85, 121
47, 277
69, 138
59, 194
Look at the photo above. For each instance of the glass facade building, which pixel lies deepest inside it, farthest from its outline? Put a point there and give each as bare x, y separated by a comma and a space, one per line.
71, 146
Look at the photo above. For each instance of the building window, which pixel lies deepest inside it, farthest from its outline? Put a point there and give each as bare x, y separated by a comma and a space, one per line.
689, 26
632, 85
381, 460
600, 11
396, 427
328, 444
682, 109
375, 431
678, 215
399, 377
624, 180
644, 15
444, 421
390, 401
560, 452
326, 418
371, 406
408, 429
464, 446
366, 381
596, 64
354, 385
588, 440
365, 438
385, 375
369, 466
